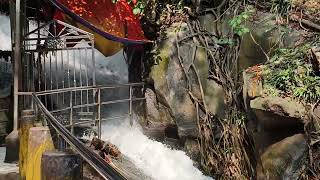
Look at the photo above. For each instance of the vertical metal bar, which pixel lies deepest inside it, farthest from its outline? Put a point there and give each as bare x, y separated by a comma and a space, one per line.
57, 78
80, 77
23, 78
71, 114
40, 71
93, 67
87, 80
99, 113
51, 79
17, 55
61, 143
68, 61
55, 28
33, 66
74, 76
130, 106
45, 77
27, 80
62, 70
93, 64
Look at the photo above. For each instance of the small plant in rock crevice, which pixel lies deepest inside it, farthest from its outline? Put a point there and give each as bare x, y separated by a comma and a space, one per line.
290, 74
237, 23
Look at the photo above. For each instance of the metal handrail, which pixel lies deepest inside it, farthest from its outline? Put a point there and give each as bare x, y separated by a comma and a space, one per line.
103, 168
66, 131
102, 87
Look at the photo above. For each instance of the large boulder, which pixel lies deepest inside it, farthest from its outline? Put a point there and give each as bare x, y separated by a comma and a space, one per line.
272, 118
285, 159
266, 36
174, 79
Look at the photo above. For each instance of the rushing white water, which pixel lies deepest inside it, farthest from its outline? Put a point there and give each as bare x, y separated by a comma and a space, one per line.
5, 33
6, 167
153, 158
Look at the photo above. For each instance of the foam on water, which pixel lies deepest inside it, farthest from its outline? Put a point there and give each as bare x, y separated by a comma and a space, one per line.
153, 158
5, 33
6, 167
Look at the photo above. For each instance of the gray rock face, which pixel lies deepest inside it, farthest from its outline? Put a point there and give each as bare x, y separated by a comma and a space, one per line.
156, 112
285, 159
175, 76
191, 147
281, 106
269, 35
179, 99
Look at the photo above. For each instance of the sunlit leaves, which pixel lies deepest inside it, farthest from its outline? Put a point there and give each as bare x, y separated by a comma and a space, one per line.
290, 72
237, 23
138, 6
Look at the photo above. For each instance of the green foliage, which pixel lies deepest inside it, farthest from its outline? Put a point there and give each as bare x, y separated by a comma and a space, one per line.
237, 23
240, 120
290, 72
271, 90
139, 6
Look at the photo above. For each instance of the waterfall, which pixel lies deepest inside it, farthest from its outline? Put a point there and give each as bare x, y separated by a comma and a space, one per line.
154, 158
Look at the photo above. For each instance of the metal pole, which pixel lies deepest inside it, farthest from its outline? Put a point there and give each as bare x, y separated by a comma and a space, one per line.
94, 79
99, 113
71, 114
17, 55
87, 78
130, 106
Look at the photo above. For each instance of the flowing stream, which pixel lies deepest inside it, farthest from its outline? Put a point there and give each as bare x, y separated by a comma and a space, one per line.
153, 158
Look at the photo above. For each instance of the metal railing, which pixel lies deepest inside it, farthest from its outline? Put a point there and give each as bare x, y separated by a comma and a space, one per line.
57, 59
64, 119
74, 113
103, 168
5, 82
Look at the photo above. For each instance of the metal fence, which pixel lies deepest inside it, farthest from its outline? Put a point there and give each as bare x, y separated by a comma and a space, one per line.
5, 78
5, 82
58, 82
57, 60
96, 162
64, 120
76, 114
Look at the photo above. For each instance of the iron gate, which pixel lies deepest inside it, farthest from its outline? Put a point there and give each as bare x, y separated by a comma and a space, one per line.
58, 56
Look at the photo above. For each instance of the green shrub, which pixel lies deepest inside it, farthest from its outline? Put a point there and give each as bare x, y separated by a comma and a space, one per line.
290, 72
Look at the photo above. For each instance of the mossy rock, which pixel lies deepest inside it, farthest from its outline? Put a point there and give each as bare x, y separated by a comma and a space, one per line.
284, 159
267, 37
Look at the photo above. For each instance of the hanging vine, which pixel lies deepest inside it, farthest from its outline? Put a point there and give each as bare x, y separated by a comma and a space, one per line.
224, 141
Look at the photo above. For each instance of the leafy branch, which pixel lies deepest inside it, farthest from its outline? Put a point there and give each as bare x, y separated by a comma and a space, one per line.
237, 23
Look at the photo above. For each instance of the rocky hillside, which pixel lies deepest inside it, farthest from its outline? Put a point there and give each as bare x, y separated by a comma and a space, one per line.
237, 90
